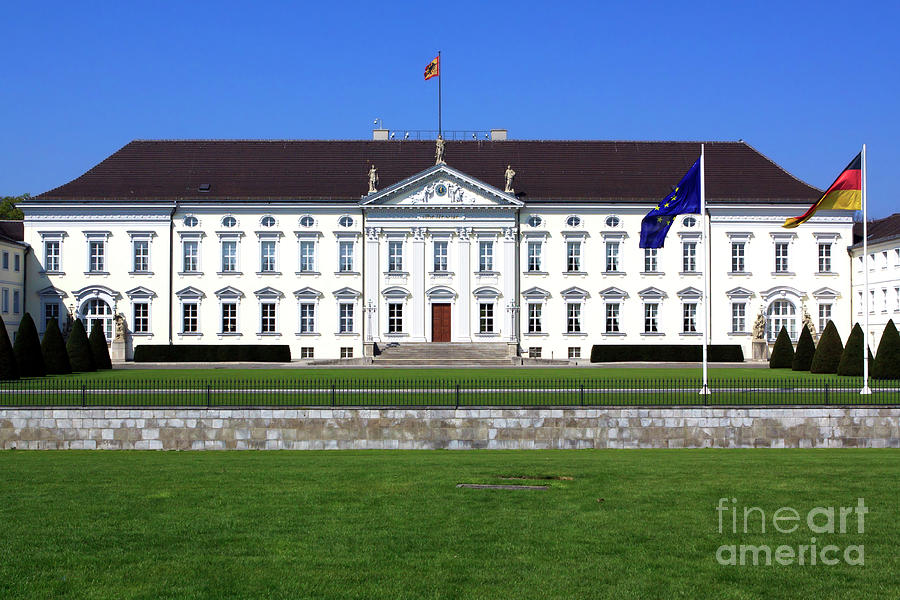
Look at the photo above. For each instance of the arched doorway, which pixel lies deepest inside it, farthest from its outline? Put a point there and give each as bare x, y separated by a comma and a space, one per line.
781, 313
97, 310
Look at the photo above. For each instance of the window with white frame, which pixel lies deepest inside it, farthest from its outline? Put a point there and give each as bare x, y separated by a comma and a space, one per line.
440, 256
872, 261
612, 256
486, 317
573, 317
229, 256
871, 301
573, 256
345, 317
689, 257
612, 317
141, 256
191, 254
884, 300
534, 256
689, 317
738, 317
395, 256
534, 352
189, 317
51, 256
345, 256
737, 257
485, 256
395, 317
859, 303
884, 259
781, 257
229, 316
96, 310
307, 317
97, 256
267, 317
140, 321
824, 315
651, 260
535, 323
782, 313
574, 352
824, 258
651, 317
307, 255
51, 311
896, 299
346, 351
267, 256
307, 352
897, 257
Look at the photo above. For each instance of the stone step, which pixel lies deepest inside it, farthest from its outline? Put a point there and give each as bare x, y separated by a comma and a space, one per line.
442, 362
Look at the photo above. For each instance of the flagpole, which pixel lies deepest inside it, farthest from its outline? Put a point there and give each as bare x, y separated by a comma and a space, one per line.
440, 73
704, 242
865, 388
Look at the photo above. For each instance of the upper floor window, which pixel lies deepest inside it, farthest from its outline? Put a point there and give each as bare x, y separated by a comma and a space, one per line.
229, 221
191, 221
191, 255
534, 256
440, 256
612, 257
573, 257
307, 256
485, 256
97, 252
573, 221
6, 260
689, 257
345, 251
737, 257
141, 262
268, 221
612, 221
17, 263
345, 221
651, 262
395, 255
51, 256
824, 258
307, 221
534, 221
229, 256
781, 258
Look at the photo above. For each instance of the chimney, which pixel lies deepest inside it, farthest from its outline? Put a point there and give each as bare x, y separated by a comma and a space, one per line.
379, 134
498, 135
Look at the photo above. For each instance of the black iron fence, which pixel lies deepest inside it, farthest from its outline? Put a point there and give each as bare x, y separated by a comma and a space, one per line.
65, 392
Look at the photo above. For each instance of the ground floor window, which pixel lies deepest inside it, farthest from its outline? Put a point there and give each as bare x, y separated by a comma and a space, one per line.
229, 317
534, 318
782, 313
534, 352
395, 317
98, 311
345, 317
689, 312
574, 352
267, 317
140, 323
486, 318
573, 317
51, 311
307, 317
189, 318
651, 317
346, 351
738, 317
307, 352
612, 317
824, 316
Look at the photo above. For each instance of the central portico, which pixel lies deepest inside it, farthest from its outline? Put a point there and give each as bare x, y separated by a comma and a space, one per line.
440, 260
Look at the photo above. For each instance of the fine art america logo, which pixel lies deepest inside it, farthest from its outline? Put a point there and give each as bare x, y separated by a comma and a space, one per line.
830, 521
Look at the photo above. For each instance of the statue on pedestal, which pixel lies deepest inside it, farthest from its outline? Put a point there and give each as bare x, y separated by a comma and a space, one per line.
373, 179
120, 328
808, 323
439, 151
759, 327
509, 180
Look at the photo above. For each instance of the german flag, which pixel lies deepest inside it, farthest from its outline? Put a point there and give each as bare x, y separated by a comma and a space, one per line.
844, 194
433, 69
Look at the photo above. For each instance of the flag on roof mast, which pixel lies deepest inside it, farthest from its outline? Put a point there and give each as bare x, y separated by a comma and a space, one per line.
433, 69
685, 198
844, 194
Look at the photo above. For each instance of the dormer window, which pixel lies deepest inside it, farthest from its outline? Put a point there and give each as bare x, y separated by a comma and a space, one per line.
191, 221
268, 221
534, 221
612, 221
573, 221
689, 222
229, 221
306, 221
346, 221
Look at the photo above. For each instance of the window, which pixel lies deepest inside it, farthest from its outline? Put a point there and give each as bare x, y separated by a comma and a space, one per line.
897, 257
51, 256
651, 314
440, 256
612, 221
96, 311
534, 318
825, 258
574, 352
884, 259
346, 351
140, 322
573, 256
738, 317
5, 260
689, 314
345, 221
689, 221
229, 221
573, 221
307, 221
191, 221
651, 256
267, 256
307, 352
612, 257
267, 317
781, 257
189, 319
871, 301
268, 221
345, 260
6, 300
612, 317
97, 250
689, 257
141, 262
307, 255
229, 256
896, 299
486, 318
17, 299
872, 262
51, 311
781, 314
395, 317
534, 256
191, 251
884, 300
229, 317
737, 257
534, 221
824, 316
395, 256
17, 262
345, 317
485, 256
859, 302
307, 317
573, 317
534, 352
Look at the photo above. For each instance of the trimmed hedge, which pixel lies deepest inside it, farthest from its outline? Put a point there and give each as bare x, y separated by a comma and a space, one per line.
198, 353
806, 348
28, 349
852, 356
887, 361
56, 359
782, 352
9, 368
828, 352
665, 353
80, 356
99, 349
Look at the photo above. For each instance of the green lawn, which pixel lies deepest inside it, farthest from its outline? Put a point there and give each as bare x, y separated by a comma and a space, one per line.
629, 524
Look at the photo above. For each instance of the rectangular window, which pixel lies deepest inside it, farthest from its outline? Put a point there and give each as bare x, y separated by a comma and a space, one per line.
824, 316
140, 322
307, 256
229, 317
612, 257
871, 301
573, 317
573, 256
486, 318
395, 317
97, 251
574, 352
897, 257
307, 317
17, 263
229, 256
395, 256
51, 311
884, 299
345, 317
267, 317
191, 250
737, 258
346, 351
17, 300
51, 256
738, 317
440, 256
307, 352
781, 257
6, 300
859, 302
689, 321
485, 256
267, 256
141, 251
824, 258
884, 259
189, 318
612, 317
651, 314
651, 260
5, 260
534, 256
689, 257
534, 352
534, 318
345, 253
896, 299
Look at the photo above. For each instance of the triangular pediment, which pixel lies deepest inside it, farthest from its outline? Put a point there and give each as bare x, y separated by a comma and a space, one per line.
441, 186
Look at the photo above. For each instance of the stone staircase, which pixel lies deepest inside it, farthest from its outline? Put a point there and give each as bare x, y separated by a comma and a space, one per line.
454, 354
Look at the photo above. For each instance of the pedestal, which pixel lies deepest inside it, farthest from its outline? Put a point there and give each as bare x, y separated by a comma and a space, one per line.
760, 350
117, 351
369, 349
512, 349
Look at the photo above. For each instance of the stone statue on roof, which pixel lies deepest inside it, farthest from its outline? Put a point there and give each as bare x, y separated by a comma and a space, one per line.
373, 179
509, 180
439, 151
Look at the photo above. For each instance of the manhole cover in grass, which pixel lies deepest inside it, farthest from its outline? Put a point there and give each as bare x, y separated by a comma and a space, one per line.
536, 477
484, 486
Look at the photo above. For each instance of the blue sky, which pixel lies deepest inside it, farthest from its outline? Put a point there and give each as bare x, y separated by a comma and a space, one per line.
806, 83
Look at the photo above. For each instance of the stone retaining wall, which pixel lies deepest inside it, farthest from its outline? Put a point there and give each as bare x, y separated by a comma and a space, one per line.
208, 429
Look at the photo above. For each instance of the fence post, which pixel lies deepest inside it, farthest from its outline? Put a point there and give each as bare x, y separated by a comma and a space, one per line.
581, 398
83, 394
826, 394
332, 394
457, 395
208, 394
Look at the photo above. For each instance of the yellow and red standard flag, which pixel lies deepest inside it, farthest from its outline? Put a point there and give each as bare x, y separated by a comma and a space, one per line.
844, 194
433, 69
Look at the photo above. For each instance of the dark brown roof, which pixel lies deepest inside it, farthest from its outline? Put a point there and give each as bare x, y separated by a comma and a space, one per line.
878, 229
12, 231
337, 170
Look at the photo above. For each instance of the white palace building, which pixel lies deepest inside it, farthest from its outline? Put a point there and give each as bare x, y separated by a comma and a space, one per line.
336, 247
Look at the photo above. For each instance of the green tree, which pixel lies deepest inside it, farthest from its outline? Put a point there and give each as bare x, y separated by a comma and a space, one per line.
56, 359
828, 352
99, 348
887, 361
9, 369
80, 356
852, 356
806, 348
8, 209
28, 349
782, 351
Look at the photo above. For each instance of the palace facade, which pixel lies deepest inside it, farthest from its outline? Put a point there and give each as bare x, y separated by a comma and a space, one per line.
334, 247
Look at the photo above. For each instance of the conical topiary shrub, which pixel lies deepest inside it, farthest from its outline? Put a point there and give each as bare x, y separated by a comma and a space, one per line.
852, 356
99, 348
782, 351
887, 361
828, 352
56, 359
9, 369
805, 350
80, 356
28, 349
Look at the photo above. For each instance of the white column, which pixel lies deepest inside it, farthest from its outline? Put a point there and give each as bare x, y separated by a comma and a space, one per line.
417, 289
509, 278
373, 281
464, 301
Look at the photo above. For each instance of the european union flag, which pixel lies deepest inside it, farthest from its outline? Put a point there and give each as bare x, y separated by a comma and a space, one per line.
685, 198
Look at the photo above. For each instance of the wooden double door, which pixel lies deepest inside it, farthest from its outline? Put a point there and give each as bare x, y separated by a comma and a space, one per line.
440, 322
